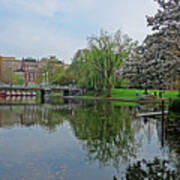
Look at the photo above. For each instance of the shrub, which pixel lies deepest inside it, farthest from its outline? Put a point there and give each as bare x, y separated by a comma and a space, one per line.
174, 106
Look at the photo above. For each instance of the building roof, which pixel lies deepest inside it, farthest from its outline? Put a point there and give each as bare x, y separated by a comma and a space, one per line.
29, 59
8, 58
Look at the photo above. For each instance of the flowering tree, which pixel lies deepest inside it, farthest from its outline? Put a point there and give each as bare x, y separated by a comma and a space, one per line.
158, 58
0, 67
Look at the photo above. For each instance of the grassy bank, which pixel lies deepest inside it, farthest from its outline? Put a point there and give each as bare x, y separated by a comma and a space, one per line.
130, 94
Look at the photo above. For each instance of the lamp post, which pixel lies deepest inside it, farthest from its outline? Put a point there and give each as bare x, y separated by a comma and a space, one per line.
73, 82
47, 79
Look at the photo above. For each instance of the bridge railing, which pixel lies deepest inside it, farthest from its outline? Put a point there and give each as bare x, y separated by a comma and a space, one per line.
34, 86
18, 86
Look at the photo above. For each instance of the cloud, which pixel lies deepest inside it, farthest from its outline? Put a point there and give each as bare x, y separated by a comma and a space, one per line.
43, 27
25, 40
48, 7
45, 7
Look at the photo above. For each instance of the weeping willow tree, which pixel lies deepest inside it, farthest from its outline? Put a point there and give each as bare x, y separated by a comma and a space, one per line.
107, 54
97, 65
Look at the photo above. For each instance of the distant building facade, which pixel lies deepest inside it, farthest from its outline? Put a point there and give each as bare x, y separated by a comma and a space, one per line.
28, 68
11, 64
8, 58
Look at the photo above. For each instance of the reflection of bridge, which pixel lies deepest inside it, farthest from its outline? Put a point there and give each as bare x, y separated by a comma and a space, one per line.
45, 90
42, 107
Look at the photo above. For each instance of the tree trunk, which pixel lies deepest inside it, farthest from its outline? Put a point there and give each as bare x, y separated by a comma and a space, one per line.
108, 90
146, 91
179, 87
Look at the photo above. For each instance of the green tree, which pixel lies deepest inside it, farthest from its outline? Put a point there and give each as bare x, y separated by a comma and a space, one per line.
108, 52
17, 79
81, 70
62, 76
48, 66
98, 64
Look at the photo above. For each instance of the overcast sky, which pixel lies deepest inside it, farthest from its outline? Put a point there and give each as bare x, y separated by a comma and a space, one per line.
39, 28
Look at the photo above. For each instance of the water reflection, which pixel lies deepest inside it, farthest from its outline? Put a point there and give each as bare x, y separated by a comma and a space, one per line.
106, 133
156, 169
44, 115
12, 100
82, 140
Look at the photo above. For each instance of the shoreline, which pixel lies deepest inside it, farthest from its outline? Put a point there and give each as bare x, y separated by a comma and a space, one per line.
112, 99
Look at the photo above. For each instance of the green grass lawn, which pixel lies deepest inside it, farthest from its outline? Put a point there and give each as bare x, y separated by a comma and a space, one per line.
130, 94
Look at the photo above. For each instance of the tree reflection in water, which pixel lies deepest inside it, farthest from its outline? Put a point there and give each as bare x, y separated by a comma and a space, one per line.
155, 170
106, 132
110, 135
173, 136
46, 116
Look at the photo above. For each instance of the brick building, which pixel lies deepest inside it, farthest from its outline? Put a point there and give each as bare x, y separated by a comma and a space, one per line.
8, 58
27, 68
11, 64
30, 68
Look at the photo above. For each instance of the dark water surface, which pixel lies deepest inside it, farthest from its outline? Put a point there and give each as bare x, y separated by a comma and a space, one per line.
82, 141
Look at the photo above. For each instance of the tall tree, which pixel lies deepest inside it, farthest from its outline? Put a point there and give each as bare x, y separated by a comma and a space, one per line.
105, 54
62, 76
166, 24
0, 67
81, 70
108, 51
158, 59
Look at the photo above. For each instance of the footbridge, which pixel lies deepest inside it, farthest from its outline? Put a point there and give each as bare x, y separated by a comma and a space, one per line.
35, 87
45, 90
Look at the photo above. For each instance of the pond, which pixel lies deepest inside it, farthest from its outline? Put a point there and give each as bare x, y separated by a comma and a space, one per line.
84, 140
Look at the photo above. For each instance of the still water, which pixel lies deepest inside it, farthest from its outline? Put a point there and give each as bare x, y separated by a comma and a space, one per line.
83, 141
